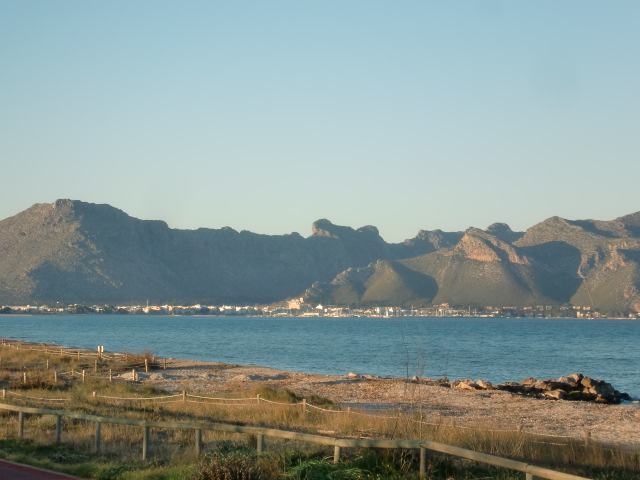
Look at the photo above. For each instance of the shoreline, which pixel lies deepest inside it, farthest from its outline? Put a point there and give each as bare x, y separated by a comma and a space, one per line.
616, 425
484, 409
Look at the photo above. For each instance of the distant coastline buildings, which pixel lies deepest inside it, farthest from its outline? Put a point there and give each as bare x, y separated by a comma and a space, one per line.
296, 308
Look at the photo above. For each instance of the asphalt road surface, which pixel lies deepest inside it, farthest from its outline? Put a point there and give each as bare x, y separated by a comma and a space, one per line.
16, 471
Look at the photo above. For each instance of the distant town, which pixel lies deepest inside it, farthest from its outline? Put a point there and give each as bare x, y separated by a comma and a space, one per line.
296, 308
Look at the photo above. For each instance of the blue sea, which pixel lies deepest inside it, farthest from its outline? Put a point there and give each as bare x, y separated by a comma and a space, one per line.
493, 349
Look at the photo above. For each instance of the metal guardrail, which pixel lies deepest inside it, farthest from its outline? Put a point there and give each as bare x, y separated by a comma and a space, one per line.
424, 446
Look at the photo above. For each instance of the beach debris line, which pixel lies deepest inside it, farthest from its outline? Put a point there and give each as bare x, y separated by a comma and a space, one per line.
569, 387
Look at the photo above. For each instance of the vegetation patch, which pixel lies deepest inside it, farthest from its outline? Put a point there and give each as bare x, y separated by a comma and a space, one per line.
233, 461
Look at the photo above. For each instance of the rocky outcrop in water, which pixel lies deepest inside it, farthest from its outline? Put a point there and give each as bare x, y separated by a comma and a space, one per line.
570, 387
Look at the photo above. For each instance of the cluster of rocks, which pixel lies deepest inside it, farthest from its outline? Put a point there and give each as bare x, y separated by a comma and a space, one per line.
569, 387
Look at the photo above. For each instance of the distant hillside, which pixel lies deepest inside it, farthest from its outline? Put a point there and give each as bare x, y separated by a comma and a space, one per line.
557, 262
76, 252
71, 251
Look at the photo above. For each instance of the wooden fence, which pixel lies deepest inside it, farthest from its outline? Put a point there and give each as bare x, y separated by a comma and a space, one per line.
424, 446
121, 362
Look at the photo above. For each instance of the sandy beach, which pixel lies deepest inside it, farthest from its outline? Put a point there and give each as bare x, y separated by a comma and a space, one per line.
498, 410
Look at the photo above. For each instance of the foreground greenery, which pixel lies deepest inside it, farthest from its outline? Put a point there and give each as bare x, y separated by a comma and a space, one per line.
231, 456
234, 460
239, 461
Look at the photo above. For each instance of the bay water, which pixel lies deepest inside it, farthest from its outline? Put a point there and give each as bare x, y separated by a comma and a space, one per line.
493, 349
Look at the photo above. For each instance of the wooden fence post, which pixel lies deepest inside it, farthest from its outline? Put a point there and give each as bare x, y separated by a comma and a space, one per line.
4, 393
58, 428
95, 366
20, 424
424, 462
133, 375
258, 399
24, 377
83, 375
145, 443
110, 375
98, 443
165, 364
184, 396
260, 443
198, 442
146, 366
336, 454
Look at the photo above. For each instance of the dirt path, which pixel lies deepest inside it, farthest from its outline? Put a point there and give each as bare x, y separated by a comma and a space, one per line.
17, 471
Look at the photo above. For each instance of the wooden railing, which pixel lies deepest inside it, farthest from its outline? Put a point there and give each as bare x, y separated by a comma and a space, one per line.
338, 444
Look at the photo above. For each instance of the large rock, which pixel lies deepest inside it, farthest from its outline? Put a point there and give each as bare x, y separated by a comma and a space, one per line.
542, 385
514, 387
530, 382
484, 385
464, 384
554, 394
569, 387
572, 380
599, 387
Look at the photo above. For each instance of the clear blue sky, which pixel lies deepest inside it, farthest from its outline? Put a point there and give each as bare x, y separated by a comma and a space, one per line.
266, 116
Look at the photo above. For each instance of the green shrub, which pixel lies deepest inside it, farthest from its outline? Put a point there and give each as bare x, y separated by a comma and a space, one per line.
113, 473
232, 461
320, 401
283, 395
320, 469
274, 394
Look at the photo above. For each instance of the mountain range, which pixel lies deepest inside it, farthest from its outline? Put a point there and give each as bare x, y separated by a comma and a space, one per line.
77, 252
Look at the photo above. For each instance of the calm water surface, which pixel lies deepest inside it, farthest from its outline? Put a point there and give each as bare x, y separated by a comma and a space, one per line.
494, 349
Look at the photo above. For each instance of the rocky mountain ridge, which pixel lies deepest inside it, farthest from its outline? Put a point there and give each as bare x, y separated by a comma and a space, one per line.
76, 252
556, 262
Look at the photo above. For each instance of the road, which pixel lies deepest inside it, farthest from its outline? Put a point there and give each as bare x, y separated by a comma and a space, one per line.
16, 471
